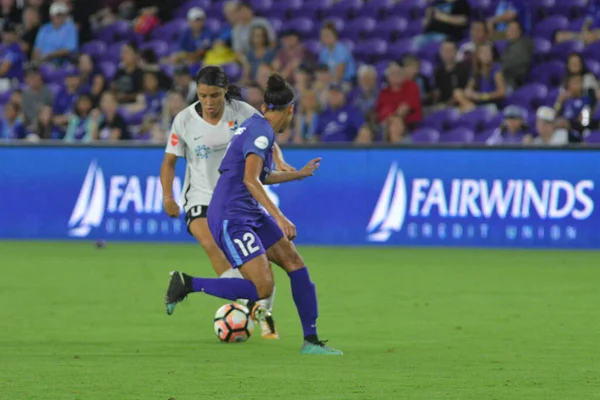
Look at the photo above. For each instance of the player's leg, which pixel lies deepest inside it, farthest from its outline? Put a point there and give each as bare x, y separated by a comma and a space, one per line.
198, 227
283, 253
241, 246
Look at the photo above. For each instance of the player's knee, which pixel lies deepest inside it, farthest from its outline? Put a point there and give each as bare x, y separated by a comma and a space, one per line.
294, 262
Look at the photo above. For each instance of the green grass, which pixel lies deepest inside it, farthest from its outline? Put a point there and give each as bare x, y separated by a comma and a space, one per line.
82, 323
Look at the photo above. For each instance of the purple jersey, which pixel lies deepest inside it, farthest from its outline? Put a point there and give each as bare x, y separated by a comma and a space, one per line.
231, 198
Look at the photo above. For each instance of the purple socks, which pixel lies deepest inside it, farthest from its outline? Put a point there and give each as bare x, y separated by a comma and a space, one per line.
305, 297
230, 289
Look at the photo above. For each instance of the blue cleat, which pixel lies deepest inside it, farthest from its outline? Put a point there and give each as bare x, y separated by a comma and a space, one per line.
319, 348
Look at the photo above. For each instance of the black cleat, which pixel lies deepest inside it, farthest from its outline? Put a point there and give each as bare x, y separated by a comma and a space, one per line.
178, 290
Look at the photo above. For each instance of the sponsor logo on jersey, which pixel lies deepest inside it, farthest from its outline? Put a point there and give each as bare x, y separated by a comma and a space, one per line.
233, 125
202, 151
121, 204
174, 139
446, 209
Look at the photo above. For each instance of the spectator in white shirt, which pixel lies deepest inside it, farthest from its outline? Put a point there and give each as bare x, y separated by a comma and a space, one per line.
548, 135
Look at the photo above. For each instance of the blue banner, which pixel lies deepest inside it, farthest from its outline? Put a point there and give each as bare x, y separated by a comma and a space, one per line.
416, 197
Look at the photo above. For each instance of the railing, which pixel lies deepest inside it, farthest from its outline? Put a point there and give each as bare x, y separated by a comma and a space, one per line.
441, 196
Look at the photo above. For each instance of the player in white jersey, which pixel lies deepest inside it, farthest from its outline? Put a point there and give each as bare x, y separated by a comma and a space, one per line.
201, 134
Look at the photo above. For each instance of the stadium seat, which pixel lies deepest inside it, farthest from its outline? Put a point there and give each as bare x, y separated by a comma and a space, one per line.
593, 137
117, 31
592, 51
425, 135
542, 49
548, 73
182, 11
337, 21
442, 120
458, 135
360, 26
108, 69
561, 51
413, 9
427, 69
169, 31
377, 8
593, 66
302, 25
401, 48
343, 9
477, 119
370, 50
549, 26
430, 51
482, 137
160, 47
233, 71
390, 28
571, 8
94, 48
529, 96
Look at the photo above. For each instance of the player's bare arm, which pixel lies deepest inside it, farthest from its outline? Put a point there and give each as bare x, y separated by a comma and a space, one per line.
253, 169
280, 164
287, 176
167, 175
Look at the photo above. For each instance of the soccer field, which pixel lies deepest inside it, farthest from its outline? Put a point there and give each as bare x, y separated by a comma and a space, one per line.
82, 323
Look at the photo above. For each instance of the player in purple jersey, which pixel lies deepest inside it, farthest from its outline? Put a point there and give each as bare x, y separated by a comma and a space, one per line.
247, 235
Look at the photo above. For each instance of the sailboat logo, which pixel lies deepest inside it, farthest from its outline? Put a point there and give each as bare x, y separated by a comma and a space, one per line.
89, 208
390, 210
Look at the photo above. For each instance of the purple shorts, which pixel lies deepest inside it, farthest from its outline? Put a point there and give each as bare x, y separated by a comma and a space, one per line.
242, 240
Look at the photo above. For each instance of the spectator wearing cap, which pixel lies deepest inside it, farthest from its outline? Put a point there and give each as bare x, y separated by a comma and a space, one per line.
196, 39
478, 35
336, 55
65, 99
513, 129
58, 39
260, 53
11, 127
366, 94
486, 85
449, 75
400, 98
129, 78
445, 19
35, 95
291, 55
11, 58
517, 56
31, 27
547, 134
246, 20
185, 84
340, 122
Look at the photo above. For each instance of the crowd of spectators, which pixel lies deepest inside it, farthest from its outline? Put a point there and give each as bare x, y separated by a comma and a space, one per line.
62, 79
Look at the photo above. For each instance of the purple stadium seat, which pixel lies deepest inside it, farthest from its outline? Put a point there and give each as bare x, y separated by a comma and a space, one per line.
312, 9
370, 50
427, 68
577, 24
549, 73
593, 66
160, 47
401, 48
349, 44
114, 50
571, 8
380, 67
233, 71
494, 122
377, 8
168, 69
477, 119
344, 9
542, 48
55, 88
484, 8
303, 25
410, 8
132, 118
390, 28
593, 137
528, 96
213, 25
425, 135
551, 97
359, 26
313, 46
458, 135
414, 28
483, 136
562, 50
592, 51
182, 11
47, 70
549, 26
108, 69
277, 24
95, 48
120, 30
170, 31
215, 10
442, 120
430, 51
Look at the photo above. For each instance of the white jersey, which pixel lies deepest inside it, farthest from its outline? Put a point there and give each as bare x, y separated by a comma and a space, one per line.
203, 146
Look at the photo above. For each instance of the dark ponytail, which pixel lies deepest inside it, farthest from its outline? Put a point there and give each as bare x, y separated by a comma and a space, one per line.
279, 93
215, 76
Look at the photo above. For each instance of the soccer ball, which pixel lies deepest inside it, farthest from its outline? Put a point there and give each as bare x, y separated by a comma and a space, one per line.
233, 323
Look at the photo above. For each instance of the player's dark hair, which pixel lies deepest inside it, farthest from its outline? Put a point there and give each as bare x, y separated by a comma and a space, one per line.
215, 76
279, 93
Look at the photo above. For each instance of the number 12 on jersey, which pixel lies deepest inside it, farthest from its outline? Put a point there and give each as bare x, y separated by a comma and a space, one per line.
246, 244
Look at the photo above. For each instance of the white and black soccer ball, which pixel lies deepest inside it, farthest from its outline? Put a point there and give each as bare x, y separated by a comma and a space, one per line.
233, 323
